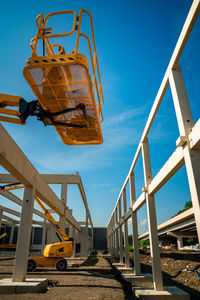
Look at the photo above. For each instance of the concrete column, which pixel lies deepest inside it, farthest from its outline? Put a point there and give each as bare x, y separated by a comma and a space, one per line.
11, 233
74, 242
179, 243
44, 231
192, 162
152, 222
92, 237
185, 124
1, 216
108, 239
23, 241
136, 255
113, 236
120, 234
32, 235
62, 219
86, 234
127, 261
47, 233
116, 234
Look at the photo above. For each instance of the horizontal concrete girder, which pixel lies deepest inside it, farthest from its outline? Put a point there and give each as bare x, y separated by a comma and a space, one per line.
182, 234
15, 162
59, 179
17, 214
185, 218
15, 199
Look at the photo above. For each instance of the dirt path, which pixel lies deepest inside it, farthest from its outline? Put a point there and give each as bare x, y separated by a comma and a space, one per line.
93, 279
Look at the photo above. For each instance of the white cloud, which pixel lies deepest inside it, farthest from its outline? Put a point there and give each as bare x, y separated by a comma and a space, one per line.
129, 114
143, 222
117, 190
117, 134
129, 221
103, 185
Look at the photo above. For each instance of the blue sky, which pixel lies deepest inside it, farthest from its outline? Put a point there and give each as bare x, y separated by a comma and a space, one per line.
135, 40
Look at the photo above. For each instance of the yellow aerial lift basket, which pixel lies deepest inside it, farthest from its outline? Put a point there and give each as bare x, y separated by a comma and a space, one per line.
69, 98
61, 82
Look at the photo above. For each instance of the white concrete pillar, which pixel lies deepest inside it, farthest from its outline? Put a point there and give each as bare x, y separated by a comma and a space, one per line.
185, 124
62, 219
120, 233
179, 243
113, 237
48, 241
86, 234
136, 255
1, 216
32, 235
11, 233
92, 237
23, 241
127, 261
44, 232
152, 222
116, 234
74, 242
108, 239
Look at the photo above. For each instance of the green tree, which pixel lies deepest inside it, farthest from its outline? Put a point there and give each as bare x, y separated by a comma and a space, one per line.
187, 206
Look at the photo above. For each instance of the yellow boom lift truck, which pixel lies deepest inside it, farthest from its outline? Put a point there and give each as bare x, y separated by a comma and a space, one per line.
69, 97
54, 254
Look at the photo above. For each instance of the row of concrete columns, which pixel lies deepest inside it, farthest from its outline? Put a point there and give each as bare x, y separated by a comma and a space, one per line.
192, 163
24, 234
115, 233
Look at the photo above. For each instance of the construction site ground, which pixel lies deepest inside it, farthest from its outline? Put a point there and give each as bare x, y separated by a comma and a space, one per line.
95, 278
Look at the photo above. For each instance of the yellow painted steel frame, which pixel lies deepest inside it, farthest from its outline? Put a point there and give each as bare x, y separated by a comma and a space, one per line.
62, 81
3, 235
9, 100
52, 220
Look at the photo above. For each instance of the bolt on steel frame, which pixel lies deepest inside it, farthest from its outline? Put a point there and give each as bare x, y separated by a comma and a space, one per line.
187, 153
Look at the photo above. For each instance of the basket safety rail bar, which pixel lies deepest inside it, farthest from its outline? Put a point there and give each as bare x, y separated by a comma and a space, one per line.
46, 33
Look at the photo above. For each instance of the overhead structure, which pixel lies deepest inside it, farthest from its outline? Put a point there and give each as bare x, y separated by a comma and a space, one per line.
62, 84
186, 152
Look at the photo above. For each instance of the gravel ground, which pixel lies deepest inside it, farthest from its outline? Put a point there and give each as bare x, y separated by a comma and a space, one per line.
96, 278
92, 279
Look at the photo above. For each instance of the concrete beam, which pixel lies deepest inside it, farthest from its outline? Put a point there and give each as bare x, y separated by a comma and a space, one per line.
71, 220
59, 179
15, 162
174, 223
16, 213
173, 164
15, 199
82, 191
182, 234
10, 219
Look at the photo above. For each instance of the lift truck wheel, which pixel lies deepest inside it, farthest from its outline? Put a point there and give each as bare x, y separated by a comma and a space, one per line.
31, 265
61, 264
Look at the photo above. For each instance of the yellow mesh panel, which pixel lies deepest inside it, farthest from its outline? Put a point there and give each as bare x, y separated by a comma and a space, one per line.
60, 84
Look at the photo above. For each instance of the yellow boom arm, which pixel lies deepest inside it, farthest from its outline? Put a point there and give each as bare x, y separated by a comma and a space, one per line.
52, 220
17, 185
10, 100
